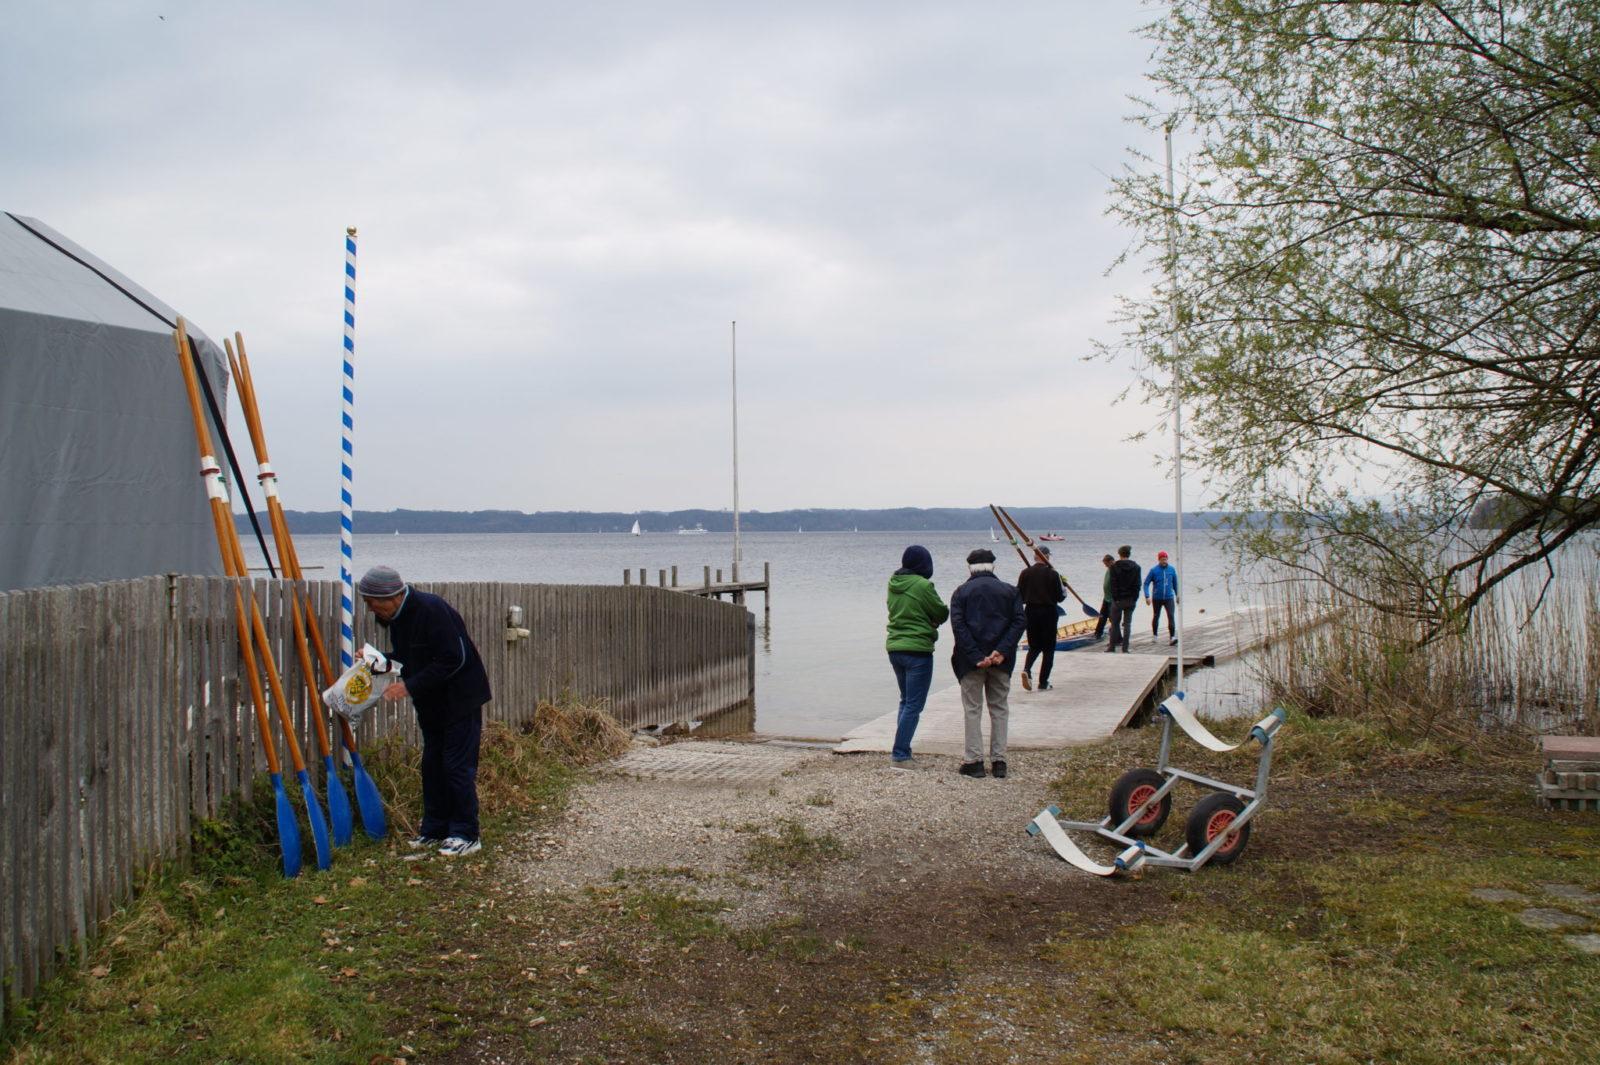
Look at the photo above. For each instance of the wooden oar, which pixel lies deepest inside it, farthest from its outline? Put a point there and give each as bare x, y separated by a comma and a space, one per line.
1012, 540
338, 802
1088, 610
373, 819
222, 520
233, 565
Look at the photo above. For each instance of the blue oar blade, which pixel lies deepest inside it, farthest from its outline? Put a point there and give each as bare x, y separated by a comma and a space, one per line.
373, 819
1089, 611
339, 818
288, 829
319, 823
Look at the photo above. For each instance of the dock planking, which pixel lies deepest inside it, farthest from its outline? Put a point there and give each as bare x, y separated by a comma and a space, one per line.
1206, 641
1091, 696
1092, 693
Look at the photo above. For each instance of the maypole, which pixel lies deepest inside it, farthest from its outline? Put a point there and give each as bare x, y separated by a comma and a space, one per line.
1177, 398
347, 595
733, 342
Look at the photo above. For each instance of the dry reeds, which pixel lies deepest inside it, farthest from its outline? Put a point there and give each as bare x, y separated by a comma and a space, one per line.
520, 768
1528, 658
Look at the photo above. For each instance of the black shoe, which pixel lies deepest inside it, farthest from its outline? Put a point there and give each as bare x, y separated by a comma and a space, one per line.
1045, 686
1111, 650
972, 769
998, 769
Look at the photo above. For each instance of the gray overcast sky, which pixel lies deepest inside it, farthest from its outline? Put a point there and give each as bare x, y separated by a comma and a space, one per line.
562, 207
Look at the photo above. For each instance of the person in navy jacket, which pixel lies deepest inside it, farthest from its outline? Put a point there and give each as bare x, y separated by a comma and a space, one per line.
986, 618
1161, 592
444, 676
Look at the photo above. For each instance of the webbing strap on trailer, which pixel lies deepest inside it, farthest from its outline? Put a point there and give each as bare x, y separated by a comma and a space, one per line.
1175, 708
1056, 836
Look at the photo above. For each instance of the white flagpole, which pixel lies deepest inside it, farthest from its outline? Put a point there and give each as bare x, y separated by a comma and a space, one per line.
1177, 400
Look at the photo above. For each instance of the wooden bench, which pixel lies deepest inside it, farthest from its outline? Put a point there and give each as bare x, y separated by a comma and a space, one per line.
1570, 777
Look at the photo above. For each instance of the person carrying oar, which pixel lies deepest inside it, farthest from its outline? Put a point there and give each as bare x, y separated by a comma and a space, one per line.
448, 687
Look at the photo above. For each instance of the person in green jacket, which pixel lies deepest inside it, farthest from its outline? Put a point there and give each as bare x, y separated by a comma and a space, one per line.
1105, 600
915, 614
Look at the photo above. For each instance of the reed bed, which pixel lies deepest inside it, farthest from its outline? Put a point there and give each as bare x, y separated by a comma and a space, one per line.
1528, 659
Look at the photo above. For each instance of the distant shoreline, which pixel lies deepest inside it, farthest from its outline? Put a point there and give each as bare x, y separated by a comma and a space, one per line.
1035, 520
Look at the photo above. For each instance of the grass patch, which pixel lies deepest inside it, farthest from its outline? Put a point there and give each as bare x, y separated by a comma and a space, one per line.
792, 848
1368, 946
227, 961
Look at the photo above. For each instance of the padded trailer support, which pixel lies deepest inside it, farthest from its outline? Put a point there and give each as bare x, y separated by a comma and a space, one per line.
1219, 825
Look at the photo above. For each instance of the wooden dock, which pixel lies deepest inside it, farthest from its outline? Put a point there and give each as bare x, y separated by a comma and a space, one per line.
708, 588
1206, 641
1092, 694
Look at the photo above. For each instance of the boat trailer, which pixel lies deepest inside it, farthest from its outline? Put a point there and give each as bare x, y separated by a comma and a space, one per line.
1217, 829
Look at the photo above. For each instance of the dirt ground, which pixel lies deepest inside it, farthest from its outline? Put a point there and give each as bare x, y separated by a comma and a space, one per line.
832, 909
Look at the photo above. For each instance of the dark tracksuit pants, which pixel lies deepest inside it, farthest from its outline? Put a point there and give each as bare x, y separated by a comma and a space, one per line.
1122, 623
1105, 616
1157, 606
450, 773
1041, 639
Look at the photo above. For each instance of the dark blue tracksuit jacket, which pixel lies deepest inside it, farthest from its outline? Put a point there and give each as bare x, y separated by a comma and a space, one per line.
448, 686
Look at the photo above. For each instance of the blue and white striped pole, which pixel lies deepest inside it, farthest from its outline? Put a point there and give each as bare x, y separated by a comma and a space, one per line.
347, 601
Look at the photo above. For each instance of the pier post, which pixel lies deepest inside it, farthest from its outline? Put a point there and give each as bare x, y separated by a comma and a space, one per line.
663, 578
674, 576
643, 580
708, 577
766, 594
719, 576
627, 576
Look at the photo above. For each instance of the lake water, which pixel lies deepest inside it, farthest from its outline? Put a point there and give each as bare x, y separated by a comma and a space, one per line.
821, 668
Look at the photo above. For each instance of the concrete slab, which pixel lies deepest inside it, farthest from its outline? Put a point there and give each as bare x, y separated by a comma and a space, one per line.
1091, 696
1495, 894
736, 765
1550, 920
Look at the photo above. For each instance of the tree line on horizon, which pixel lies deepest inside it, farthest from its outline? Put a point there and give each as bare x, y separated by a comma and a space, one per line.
1035, 520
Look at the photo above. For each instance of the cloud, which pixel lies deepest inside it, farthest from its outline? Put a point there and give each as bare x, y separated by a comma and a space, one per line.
563, 207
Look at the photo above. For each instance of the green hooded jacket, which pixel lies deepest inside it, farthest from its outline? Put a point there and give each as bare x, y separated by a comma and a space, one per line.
915, 614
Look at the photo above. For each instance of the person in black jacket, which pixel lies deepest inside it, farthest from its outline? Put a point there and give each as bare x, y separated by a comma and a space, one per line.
987, 622
1125, 578
445, 678
1040, 588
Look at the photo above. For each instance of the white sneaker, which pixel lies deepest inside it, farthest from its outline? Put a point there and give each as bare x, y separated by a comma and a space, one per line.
456, 847
423, 843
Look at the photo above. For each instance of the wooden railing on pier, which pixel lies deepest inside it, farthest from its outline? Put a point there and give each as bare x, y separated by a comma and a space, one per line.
123, 718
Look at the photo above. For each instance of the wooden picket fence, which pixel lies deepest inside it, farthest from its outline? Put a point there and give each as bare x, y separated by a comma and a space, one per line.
124, 717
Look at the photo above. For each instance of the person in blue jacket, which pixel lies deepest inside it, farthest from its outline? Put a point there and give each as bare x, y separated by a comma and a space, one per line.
1161, 592
444, 676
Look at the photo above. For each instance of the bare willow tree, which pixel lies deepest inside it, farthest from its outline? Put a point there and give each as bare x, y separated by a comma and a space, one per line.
1386, 257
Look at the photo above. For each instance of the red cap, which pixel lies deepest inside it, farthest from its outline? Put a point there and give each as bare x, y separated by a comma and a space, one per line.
1161, 554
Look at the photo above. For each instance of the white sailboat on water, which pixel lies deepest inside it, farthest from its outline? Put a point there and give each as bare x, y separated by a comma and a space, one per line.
635, 531
993, 539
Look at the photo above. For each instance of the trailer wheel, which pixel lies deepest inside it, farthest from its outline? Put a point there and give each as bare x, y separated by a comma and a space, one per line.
1130, 792
1211, 817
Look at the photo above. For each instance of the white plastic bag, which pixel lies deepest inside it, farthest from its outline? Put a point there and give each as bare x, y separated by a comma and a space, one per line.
362, 685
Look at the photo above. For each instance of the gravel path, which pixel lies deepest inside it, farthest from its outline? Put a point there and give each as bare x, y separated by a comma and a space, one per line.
900, 828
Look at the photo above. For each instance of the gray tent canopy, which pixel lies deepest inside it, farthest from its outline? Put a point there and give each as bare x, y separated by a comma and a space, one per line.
99, 475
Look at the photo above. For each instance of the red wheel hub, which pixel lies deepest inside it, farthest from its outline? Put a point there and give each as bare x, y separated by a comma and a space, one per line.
1140, 796
1218, 825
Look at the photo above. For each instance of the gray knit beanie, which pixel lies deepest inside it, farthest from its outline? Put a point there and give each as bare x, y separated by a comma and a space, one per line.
380, 582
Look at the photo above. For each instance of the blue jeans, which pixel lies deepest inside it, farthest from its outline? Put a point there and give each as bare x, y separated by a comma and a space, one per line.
913, 672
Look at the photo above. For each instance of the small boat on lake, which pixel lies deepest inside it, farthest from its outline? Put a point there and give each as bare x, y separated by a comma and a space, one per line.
698, 530
1070, 636
1052, 537
635, 531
